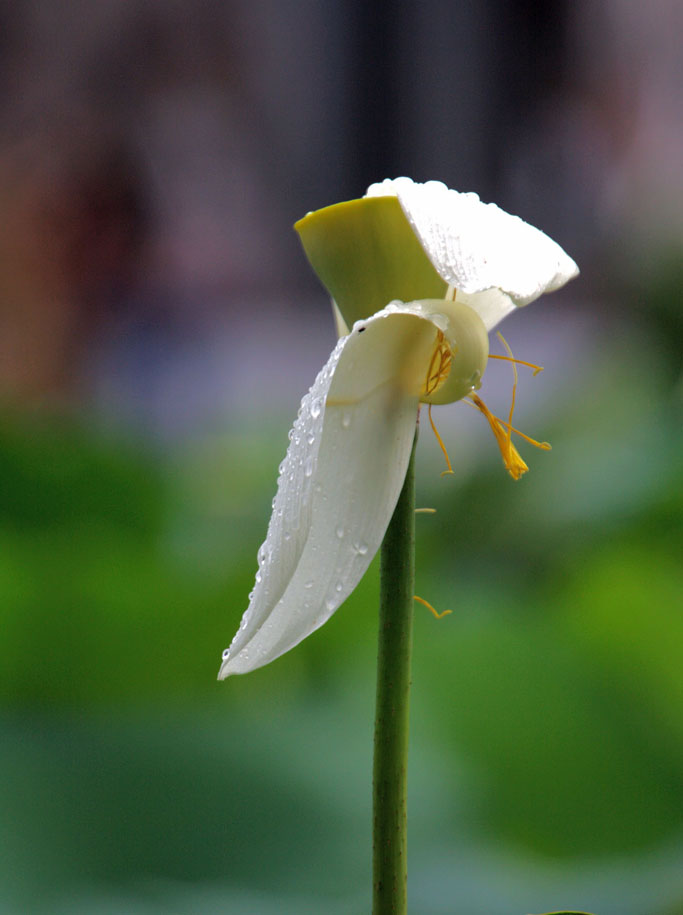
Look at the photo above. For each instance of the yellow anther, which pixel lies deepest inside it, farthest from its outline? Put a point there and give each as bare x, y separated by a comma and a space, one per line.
425, 603
512, 459
503, 429
425, 511
441, 444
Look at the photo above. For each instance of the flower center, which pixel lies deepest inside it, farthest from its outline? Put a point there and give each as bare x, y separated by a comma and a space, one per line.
459, 353
439, 367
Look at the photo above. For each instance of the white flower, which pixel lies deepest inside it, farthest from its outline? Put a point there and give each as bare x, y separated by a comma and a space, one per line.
351, 442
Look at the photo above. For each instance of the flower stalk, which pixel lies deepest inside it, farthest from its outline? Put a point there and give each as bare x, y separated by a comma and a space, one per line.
397, 577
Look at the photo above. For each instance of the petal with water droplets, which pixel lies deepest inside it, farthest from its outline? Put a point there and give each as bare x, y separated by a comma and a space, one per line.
497, 261
339, 483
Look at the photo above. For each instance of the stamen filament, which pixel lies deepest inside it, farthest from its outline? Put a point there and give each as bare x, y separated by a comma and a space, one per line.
531, 365
503, 429
425, 511
545, 446
441, 444
514, 383
512, 459
425, 603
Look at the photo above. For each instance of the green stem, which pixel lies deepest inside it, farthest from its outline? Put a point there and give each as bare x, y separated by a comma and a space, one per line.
397, 575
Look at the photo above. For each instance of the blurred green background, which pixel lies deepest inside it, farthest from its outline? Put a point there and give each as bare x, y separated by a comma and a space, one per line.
158, 328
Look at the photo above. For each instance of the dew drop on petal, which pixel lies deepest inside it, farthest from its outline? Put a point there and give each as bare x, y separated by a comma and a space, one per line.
330, 604
308, 466
338, 586
340, 532
346, 419
309, 584
361, 548
226, 654
315, 407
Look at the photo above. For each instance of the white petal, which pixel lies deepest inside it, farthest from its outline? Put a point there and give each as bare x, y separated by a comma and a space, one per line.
477, 246
339, 483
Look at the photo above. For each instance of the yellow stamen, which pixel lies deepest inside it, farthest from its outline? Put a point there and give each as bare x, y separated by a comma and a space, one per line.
425, 511
439, 366
531, 365
503, 429
544, 446
426, 604
514, 383
512, 459
441, 444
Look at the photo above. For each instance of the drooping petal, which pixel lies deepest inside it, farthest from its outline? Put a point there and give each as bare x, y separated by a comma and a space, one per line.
338, 484
479, 248
366, 254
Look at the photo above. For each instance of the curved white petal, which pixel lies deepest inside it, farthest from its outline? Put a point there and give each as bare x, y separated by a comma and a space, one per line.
477, 247
338, 484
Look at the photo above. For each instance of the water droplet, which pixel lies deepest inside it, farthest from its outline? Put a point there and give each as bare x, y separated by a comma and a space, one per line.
346, 419
308, 466
310, 438
258, 578
338, 586
309, 584
361, 548
330, 604
315, 407
340, 532
287, 535
226, 654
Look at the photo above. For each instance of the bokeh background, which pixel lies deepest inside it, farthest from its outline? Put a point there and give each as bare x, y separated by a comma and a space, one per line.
158, 326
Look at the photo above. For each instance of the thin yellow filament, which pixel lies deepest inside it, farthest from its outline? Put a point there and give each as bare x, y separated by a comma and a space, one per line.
531, 365
544, 446
503, 429
514, 384
425, 603
425, 511
512, 459
441, 444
